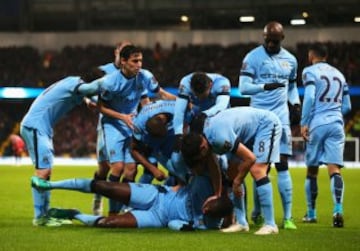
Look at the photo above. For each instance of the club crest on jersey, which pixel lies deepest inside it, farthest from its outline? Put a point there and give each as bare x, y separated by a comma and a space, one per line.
285, 64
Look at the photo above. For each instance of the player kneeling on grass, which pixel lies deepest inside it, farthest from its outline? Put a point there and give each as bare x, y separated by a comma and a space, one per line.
233, 132
179, 207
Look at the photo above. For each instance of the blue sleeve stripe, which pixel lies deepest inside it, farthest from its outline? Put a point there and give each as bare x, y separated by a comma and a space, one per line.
224, 93
246, 74
346, 92
76, 89
184, 97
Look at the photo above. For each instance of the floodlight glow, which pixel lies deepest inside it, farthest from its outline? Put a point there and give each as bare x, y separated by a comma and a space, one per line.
184, 18
247, 19
12, 92
19, 92
357, 19
297, 21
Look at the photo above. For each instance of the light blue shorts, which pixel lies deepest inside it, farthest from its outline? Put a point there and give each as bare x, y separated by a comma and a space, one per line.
117, 144
286, 141
149, 203
101, 153
40, 147
266, 145
326, 145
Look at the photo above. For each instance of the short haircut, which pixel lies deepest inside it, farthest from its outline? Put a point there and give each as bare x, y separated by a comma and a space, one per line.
199, 82
220, 207
319, 49
128, 50
190, 148
92, 74
156, 127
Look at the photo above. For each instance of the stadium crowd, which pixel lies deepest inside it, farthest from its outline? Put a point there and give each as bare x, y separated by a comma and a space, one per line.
27, 66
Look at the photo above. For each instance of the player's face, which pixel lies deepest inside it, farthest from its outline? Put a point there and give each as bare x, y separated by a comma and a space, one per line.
272, 42
132, 66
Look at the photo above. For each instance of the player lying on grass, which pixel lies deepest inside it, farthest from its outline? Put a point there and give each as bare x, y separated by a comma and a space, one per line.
178, 207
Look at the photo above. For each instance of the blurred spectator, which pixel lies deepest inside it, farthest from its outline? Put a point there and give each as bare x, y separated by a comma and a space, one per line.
18, 147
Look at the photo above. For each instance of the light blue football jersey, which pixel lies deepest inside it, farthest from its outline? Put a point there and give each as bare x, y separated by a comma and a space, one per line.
150, 110
260, 68
53, 103
211, 105
326, 98
162, 145
162, 148
228, 128
108, 68
123, 95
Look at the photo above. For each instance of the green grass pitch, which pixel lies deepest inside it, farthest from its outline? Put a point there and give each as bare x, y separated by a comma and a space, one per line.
17, 233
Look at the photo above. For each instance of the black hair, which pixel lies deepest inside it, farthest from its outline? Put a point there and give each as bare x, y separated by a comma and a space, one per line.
199, 82
220, 207
190, 148
128, 50
156, 127
319, 49
197, 123
92, 74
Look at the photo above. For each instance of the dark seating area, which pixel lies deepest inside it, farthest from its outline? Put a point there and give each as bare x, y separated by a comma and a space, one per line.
26, 66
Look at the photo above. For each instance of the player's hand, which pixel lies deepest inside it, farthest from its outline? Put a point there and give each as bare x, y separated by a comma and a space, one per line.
90, 104
204, 207
128, 120
159, 175
295, 114
305, 133
273, 86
